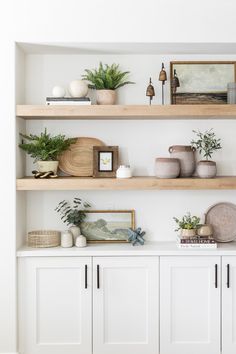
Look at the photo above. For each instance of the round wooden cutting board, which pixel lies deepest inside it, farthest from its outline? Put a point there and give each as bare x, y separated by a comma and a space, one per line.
78, 160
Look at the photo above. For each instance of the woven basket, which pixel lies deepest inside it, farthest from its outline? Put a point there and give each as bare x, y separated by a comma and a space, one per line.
44, 238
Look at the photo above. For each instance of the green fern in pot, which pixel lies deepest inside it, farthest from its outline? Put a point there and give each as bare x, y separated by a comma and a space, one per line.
106, 80
45, 149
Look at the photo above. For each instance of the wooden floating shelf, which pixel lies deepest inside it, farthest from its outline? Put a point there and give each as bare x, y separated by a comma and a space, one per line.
134, 183
144, 112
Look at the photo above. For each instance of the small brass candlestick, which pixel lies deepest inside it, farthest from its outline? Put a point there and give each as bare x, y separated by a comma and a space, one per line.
174, 85
162, 78
150, 92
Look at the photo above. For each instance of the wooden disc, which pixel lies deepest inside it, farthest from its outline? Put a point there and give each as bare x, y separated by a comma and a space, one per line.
78, 160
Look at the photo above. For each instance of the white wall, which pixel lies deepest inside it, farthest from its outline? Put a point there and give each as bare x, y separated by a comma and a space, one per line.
88, 21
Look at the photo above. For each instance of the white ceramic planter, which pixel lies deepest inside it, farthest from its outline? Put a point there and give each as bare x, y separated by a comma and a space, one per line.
185, 233
206, 169
106, 97
46, 166
75, 230
124, 172
167, 167
66, 239
81, 241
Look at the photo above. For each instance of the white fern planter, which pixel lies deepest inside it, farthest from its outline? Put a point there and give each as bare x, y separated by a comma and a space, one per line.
75, 230
106, 97
46, 166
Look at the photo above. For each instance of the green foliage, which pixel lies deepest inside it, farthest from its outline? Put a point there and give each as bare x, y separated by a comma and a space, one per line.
187, 222
45, 147
106, 77
73, 214
206, 143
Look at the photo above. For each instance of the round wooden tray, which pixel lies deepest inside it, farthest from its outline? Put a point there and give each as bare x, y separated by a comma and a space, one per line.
78, 160
222, 217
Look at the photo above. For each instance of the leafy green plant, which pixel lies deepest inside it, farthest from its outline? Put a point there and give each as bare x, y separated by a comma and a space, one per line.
187, 222
206, 143
73, 214
45, 147
106, 77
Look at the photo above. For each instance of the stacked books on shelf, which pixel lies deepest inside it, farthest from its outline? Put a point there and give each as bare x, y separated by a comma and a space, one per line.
68, 101
196, 242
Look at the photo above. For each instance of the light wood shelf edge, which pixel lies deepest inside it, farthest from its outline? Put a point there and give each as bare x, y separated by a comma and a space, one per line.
127, 112
134, 183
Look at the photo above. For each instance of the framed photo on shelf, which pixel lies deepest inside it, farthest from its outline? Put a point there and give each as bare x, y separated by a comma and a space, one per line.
107, 225
105, 161
201, 82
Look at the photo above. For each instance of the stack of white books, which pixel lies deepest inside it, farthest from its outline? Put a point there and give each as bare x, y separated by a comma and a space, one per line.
68, 101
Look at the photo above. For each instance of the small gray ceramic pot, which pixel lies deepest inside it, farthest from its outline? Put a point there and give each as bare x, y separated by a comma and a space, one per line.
166, 167
206, 169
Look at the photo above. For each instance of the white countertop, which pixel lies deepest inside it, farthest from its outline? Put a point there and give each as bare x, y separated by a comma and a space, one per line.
124, 249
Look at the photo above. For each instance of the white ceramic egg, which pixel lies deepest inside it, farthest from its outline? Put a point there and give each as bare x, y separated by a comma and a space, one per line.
58, 91
78, 88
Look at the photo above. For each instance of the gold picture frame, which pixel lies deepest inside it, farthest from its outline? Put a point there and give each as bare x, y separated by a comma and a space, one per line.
100, 227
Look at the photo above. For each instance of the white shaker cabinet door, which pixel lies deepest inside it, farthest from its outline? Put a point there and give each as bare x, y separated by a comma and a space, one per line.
125, 305
228, 305
190, 305
55, 305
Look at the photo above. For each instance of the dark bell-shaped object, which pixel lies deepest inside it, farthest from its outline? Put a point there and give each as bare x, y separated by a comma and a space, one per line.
163, 75
175, 82
150, 92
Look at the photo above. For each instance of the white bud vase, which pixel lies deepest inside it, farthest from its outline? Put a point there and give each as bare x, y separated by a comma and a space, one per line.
81, 241
66, 239
75, 230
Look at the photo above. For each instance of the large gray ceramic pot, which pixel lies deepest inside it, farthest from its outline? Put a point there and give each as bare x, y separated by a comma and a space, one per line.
185, 153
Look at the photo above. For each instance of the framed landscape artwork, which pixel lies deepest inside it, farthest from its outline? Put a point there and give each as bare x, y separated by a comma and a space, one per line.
107, 225
202, 82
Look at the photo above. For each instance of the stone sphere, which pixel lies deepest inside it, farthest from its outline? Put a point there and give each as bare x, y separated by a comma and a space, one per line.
58, 91
78, 88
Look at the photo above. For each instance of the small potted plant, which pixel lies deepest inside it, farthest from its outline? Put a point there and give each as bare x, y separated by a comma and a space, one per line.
106, 80
206, 143
187, 225
45, 149
73, 215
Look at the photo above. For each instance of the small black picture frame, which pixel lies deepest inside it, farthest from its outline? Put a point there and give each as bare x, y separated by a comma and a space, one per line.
105, 161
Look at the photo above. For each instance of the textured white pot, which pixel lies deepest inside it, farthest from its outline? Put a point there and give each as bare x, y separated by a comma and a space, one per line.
46, 166
106, 97
75, 230
66, 239
206, 169
81, 241
188, 233
167, 167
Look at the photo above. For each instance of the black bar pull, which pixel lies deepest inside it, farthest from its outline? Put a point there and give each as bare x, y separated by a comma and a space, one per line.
98, 277
216, 276
228, 276
86, 276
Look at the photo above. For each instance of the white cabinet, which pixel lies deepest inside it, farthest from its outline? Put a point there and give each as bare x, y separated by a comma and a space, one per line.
190, 311
55, 305
126, 304
228, 305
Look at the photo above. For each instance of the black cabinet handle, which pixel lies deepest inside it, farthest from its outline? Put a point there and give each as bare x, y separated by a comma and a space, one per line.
86, 276
216, 276
228, 276
98, 277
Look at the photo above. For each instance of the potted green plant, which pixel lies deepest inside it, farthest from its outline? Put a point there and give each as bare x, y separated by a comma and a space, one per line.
45, 149
206, 144
187, 225
106, 80
73, 215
